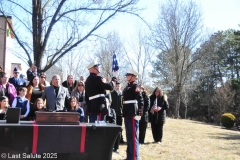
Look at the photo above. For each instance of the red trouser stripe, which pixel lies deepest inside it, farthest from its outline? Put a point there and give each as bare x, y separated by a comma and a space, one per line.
83, 138
134, 138
35, 137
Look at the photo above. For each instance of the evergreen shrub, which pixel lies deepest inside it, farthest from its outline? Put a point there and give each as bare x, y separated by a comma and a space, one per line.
228, 120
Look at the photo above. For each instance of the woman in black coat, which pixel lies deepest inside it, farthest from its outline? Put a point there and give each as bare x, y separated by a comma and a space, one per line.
144, 119
157, 113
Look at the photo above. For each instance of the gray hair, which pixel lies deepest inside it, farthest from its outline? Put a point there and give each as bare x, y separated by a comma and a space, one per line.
56, 75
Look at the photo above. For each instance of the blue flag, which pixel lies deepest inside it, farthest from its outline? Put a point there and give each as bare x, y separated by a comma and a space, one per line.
115, 66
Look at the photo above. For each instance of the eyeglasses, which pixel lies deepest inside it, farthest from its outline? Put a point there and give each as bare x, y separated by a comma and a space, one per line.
80, 85
43, 77
16, 72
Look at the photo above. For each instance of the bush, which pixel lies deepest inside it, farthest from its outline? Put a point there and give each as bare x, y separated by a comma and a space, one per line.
228, 120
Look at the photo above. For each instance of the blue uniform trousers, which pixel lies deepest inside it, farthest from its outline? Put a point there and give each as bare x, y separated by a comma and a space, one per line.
131, 126
94, 117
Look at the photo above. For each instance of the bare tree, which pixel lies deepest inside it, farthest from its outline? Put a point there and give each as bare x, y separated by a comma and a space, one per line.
74, 64
58, 26
140, 55
104, 53
176, 35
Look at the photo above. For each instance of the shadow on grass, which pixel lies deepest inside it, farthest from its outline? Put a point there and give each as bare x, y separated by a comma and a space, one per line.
227, 136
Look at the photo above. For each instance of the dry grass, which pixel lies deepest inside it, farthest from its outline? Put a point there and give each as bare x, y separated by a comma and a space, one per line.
189, 140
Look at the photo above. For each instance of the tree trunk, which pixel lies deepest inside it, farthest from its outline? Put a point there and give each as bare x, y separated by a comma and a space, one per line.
177, 104
185, 111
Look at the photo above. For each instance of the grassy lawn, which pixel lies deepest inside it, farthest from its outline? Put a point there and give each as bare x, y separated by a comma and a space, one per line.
191, 140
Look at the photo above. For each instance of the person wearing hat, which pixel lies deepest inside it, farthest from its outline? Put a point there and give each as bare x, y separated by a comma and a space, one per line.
16, 80
132, 110
95, 90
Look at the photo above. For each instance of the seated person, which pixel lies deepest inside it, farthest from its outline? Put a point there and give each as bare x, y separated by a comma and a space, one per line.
3, 106
38, 106
74, 107
22, 102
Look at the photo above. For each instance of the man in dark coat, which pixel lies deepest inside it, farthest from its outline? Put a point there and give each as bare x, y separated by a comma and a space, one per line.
117, 106
95, 90
32, 72
144, 119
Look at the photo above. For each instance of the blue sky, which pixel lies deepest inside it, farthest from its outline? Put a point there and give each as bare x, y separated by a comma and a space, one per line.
217, 14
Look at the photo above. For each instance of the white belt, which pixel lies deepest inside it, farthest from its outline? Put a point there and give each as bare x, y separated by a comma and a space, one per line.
96, 96
130, 101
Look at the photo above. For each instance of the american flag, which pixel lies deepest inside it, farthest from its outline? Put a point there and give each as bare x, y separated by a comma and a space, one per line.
115, 67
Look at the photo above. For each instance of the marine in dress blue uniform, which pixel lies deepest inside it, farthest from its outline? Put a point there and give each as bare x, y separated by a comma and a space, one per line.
132, 110
95, 94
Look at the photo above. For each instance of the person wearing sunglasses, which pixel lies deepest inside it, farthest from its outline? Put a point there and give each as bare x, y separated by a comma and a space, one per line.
16, 80
43, 80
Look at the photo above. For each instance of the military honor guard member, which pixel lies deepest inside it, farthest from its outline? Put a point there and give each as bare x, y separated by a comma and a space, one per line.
16, 80
132, 110
95, 92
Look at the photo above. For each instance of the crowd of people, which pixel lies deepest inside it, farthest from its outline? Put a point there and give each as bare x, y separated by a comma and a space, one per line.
94, 99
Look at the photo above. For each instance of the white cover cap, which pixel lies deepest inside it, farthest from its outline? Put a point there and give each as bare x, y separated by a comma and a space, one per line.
91, 65
132, 72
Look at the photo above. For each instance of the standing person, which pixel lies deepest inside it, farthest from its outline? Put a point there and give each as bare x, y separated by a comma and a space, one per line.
157, 116
79, 93
3, 106
42, 79
82, 78
16, 80
132, 107
113, 81
22, 102
34, 91
1, 70
117, 106
56, 96
111, 118
95, 94
7, 89
70, 83
32, 71
144, 119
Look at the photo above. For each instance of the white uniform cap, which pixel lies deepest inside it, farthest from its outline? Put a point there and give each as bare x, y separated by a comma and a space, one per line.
132, 72
93, 64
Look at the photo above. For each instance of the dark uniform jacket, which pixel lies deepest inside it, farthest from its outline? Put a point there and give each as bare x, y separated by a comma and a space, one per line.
132, 92
116, 102
160, 116
146, 99
17, 82
95, 86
